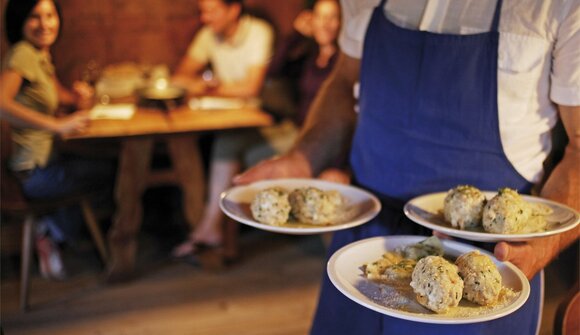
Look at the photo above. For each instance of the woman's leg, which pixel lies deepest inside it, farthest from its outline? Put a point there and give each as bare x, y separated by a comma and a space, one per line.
209, 229
227, 150
60, 178
66, 176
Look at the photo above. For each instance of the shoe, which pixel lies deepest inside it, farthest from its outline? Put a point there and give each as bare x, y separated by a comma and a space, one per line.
196, 253
49, 259
191, 248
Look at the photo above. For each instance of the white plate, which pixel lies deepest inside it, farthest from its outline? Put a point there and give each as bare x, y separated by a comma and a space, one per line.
344, 271
363, 206
427, 210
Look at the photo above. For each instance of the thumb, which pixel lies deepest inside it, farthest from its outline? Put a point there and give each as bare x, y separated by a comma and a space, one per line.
502, 251
520, 252
248, 176
241, 178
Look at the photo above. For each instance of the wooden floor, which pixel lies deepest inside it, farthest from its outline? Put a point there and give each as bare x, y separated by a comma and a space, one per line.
272, 291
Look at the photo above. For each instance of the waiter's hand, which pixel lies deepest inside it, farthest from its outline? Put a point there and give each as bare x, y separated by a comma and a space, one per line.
335, 175
530, 256
291, 165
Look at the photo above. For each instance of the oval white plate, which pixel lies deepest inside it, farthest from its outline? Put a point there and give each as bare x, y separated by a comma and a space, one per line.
427, 210
344, 271
363, 206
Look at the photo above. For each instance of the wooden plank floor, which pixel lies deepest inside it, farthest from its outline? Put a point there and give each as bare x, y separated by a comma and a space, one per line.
273, 290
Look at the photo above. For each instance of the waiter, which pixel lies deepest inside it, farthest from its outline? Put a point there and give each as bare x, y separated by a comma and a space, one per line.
451, 92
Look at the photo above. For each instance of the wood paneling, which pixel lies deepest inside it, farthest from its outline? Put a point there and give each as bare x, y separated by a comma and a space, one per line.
146, 31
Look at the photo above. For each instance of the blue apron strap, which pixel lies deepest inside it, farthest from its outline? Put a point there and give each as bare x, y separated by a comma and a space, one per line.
496, 15
382, 4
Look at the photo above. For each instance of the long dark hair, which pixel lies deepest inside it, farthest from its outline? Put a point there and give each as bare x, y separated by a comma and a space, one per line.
17, 11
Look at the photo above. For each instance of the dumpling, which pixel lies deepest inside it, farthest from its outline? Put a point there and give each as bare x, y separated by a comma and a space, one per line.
314, 206
506, 213
463, 206
482, 280
437, 284
271, 206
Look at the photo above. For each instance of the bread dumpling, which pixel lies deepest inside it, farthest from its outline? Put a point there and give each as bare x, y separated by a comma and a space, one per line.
482, 280
271, 206
506, 213
314, 206
437, 284
463, 206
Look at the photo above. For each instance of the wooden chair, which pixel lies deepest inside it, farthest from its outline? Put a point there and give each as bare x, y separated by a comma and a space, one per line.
567, 319
13, 203
174, 175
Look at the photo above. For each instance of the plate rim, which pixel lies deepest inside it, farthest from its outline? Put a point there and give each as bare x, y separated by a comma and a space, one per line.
427, 318
362, 219
490, 237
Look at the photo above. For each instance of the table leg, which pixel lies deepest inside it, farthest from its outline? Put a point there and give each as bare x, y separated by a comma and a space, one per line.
134, 165
188, 165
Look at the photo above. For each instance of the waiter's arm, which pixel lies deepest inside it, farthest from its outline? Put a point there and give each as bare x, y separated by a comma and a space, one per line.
563, 185
329, 127
326, 135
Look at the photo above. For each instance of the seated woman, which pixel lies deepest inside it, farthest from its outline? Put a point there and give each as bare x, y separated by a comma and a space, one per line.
29, 99
306, 60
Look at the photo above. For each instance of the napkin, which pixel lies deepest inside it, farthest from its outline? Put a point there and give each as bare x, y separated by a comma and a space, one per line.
113, 112
221, 103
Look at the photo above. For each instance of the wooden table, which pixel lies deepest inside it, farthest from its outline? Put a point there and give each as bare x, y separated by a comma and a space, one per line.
179, 129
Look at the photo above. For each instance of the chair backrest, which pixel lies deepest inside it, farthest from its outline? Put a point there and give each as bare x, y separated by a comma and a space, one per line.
11, 196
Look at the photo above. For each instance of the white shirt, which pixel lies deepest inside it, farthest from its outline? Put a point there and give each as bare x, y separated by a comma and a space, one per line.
538, 61
250, 46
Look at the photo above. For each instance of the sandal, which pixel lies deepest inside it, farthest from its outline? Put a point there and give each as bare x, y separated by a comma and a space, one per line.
191, 248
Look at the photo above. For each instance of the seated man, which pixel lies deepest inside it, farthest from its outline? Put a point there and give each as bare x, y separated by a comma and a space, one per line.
238, 47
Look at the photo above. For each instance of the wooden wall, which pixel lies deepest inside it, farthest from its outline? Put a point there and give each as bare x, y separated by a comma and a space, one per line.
146, 31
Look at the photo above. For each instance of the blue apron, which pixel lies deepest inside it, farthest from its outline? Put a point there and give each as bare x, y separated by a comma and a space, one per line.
428, 122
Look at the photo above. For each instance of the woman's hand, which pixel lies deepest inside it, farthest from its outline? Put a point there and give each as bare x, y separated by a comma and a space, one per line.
73, 123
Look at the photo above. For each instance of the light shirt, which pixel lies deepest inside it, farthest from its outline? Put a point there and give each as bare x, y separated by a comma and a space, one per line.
32, 147
538, 60
231, 59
